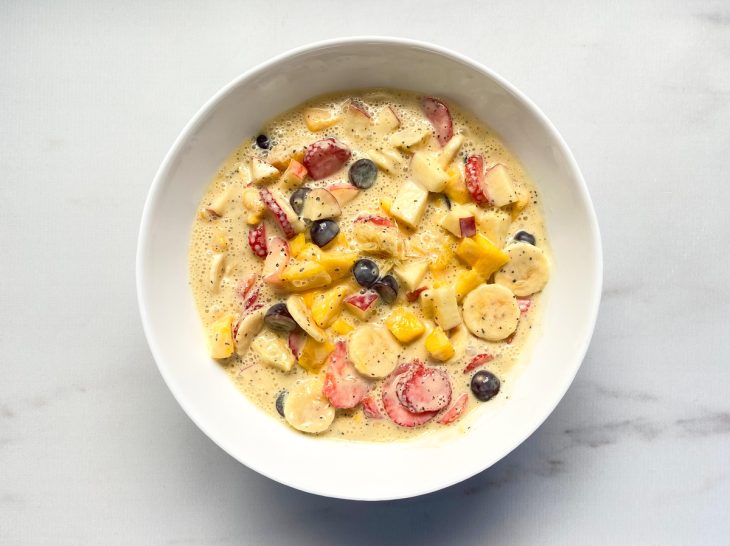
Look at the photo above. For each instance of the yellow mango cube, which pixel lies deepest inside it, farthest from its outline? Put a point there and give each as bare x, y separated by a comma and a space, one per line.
309, 252
341, 327
314, 354
303, 276
438, 345
297, 244
328, 305
455, 187
466, 281
319, 118
385, 204
220, 338
404, 325
337, 264
480, 250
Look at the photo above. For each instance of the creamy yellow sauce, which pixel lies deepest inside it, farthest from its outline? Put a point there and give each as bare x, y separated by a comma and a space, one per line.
224, 239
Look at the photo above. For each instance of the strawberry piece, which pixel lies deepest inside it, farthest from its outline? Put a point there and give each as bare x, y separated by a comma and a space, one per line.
343, 386
477, 361
397, 412
427, 389
439, 116
524, 304
325, 157
374, 219
257, 240
245, 285
276, 260
455, 411
251, 300
474, 179
370, 407
296, 342
413, 295
278, 213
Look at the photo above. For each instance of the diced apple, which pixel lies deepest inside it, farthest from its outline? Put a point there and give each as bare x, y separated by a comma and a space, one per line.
244, 169
262, 171
276, 261
343, 192
362, 304
320, 204
405, 139
410, 204
387, 121
446, 309
499, 186
319, 118
294, 174
388, 160
355, 117
450, 150
411, 273
452, 220
425, 170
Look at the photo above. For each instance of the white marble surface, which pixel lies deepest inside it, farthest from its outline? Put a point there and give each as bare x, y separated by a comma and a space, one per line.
93, 448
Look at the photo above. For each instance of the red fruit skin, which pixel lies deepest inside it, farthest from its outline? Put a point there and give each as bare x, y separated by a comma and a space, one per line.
246, 284
455, 411
440, 117
276, 260
325, 157
296, 342
343, 386
250, 300
370, 408
257, 240
398, 413
362, 301
373, 219
524, 304
468, 226
427, 389
413, 295
477, 361
277, 212
474, 177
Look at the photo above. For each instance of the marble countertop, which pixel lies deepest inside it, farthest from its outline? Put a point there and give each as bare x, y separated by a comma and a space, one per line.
93, 448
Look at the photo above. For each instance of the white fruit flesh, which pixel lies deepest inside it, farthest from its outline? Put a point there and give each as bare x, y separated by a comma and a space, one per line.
262, 171
320, 204
451, 220
388, 160
248, 327
303, 317
499, 186
426, 170
373, 351
446, 309
450, 150
405, 139
527, 270
307, 409
344, 193
411, 273
410, 204
273, 350
491, 312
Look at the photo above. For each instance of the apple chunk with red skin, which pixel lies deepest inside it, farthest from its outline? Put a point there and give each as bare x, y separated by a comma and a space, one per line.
362, 304
320, 204
459, 221
343, 192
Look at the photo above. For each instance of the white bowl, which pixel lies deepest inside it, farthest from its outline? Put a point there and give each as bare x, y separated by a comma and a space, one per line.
337, 468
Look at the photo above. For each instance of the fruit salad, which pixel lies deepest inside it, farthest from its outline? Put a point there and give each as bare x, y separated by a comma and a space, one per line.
370, 265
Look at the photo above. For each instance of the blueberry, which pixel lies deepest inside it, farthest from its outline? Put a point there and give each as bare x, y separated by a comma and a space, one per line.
484, 385
363, 173
277, 318
387, 289
297, 199
366, 272
323, 231
263, 142
280, 402
525, 237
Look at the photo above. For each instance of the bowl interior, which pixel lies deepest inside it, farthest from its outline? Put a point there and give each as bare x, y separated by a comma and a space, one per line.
395, 469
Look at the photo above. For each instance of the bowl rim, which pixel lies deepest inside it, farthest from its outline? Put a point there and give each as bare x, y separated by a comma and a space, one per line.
154, 194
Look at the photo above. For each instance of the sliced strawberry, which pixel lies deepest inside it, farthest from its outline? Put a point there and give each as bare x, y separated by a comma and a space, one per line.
413, 295
398, 413
455, 411
257, 240
370, 407
524, 304
439, 116
325, 157
296, 342
427, 389
477, 361
276, 260
374, 219
474, 179
278, 213
343, 386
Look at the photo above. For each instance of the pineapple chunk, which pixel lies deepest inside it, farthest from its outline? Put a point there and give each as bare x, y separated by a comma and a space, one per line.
404, 325
439, 345
337, 264
328, 305
301, 276
440, 259
455, 187
319, 118
450, 150
411, 273
425, 170
405, 139
494, 224
297, 244
314, 354
273, 350
262, 171
410, 204
220, 338
341, 327
309, 252
446, 310
388, 160
472, 249
466, 281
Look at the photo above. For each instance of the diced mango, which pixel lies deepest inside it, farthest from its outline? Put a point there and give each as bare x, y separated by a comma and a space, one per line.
297, 244
220, 337
308, 297
438, 345
314, 354
319, 118
328, 305
301, 276
404, 325
466, 281
479, 249
338, 243
309, 252
455, 187
441, 258
337, 264
342, 327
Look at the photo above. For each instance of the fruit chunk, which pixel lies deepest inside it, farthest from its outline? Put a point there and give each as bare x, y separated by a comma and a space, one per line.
257, 240
337, 264
344, 193
328, 305
276, 261
494, 224
404, 325
426, 389
342, 327
388, 160
387, 121
411, 273
314, 354
307, 409
310, 253
450, 150
477, 361
491, 312
499, 186
282, 212
439, 116
459, 221
446, 310
410, 204
294, 174
319, 118
387, 288
363, 174
299, 276
254, 205
320, 204
439, 345
220, 337
398, 413
482, 254
370, 407
474, 179
366, 272
426, 171
378, 235
343, 386
362, 304
527, 270
455, 188
325, 157
278, 319
485, 385
273, 351
405, 139
466, 281
301, 314
248, 326
455, 411
262, 171
373, 350
296, 245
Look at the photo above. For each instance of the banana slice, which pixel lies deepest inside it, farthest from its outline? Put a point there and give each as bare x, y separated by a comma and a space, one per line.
373, 351
527, 270
307, 409
491, 312
302, 316
249, 326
